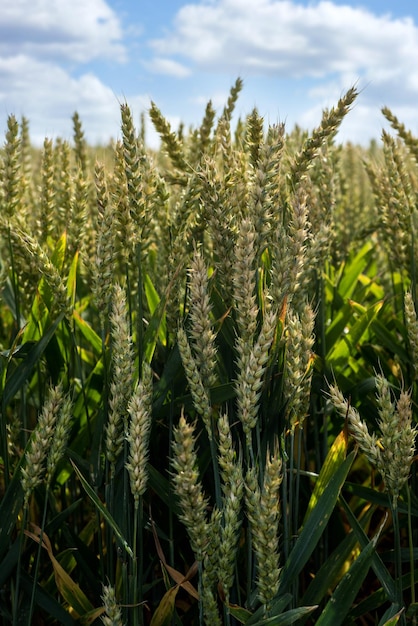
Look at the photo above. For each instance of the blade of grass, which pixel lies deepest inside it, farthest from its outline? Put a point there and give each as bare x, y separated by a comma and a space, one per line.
314, 525
329, 573
341, 600
285, 619
378, 566
336, 455
102, 509
277, 607
18, 378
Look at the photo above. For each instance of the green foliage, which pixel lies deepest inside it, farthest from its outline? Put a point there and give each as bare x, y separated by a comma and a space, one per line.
198, 311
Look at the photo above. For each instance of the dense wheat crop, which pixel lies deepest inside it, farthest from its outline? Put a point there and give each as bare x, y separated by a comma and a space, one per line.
209, 363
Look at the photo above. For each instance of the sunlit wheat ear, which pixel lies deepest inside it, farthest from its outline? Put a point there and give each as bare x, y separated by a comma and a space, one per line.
392, 453
221, 222
118, 188
63, 181
410, 141
398, 437
210, 574
113, 614
205, 129
198, 389
103, 262
232, 487
412, 328
289, 245
263, 511
80, 144
171, 142
201, 325
299, 235
395, 210
135, 165
26, 165
79, 227
140, 412
122, 376
188, 488
281, 289
401, 176
32, 251
61, 198
244, 282
264, 196
298, 364
11, 168
331, 120
252, 361
254, 137
232, 98
47, 207
367, 443
33, 471
59, 438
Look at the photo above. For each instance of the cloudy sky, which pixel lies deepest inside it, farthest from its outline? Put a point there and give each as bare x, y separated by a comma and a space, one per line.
295, 57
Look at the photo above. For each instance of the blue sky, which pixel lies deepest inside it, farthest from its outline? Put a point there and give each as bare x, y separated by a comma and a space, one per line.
295, 57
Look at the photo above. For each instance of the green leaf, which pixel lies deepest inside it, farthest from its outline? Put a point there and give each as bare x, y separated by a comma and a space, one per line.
353, 268
102, 509
346, 346
378, 566
159, 484
240, 614
336, 455
157, 327
277, 607
394, 619
58, 255
88, 333
390, 340
314, 526
285, 619
331, 570
19, 377
72, 280
57, 259
343, 597
151, 294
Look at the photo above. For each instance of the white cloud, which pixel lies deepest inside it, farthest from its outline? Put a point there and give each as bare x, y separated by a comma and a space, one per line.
43, 47
217, 98
289, 39
168, 67
75, 30
333, 46
48, 96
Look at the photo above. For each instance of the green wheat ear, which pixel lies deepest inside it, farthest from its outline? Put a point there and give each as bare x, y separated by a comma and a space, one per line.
122, 377
188, 487
171, 141
410, 141
80, 144
11, 170
331, 120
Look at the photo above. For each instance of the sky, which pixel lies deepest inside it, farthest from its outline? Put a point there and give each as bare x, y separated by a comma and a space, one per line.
295, 58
